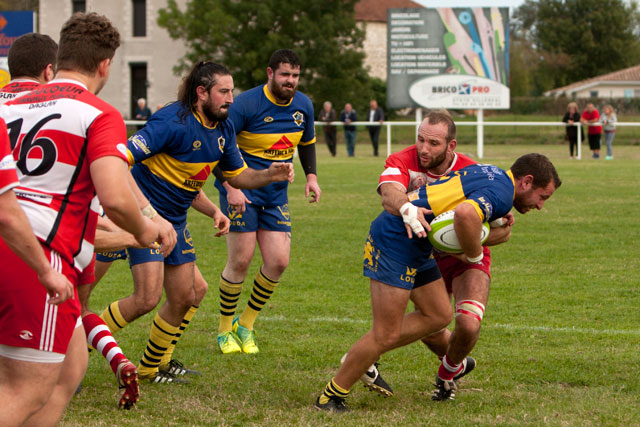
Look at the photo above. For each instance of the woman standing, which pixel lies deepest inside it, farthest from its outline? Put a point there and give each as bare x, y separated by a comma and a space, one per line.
608, 121
570, 117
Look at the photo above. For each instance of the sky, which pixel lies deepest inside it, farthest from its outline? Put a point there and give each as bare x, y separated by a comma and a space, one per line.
470, 3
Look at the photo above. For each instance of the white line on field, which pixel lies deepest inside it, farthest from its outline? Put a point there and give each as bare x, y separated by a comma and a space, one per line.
631, 332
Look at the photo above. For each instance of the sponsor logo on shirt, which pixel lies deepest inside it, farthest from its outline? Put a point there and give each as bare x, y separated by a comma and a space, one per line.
7, 163
268, 119
196, 145
26, 335
139, 142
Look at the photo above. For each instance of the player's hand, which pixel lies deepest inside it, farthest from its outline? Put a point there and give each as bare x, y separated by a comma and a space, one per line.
167, 237
281, 171
414, 220
221, 222
237, 199
57, 285
312, 188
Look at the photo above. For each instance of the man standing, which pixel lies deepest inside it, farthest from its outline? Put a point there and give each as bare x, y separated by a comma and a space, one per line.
376, 114
395, 262
348, 115
69, 146
271, 120
31, 60
432, 156
172, 157
328, 114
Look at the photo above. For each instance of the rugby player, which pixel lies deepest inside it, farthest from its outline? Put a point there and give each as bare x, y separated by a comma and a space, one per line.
397, 263
172, 157
69, 146
31, 61
270, 120
432, 156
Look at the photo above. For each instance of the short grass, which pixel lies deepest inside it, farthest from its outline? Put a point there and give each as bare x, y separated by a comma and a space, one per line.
559, 339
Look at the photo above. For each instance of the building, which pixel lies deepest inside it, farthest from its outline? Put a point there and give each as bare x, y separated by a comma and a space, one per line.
618, 84
372, 16
143, 65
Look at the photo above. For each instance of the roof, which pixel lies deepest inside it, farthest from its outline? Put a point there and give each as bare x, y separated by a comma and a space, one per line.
631, 74
376, 10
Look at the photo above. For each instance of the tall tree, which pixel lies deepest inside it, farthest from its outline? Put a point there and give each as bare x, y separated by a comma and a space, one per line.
576, 39
243, 34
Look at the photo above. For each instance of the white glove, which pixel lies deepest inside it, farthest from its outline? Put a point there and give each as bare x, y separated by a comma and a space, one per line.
410, 217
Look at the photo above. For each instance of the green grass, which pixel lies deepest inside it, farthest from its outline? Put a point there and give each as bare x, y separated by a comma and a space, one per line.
559, 338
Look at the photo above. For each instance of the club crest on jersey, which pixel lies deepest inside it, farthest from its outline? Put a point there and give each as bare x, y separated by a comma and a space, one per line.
221, 143
197, 145
268, 119
298, 117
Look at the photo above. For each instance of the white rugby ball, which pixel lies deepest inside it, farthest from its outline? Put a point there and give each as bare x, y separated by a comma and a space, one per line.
443, 237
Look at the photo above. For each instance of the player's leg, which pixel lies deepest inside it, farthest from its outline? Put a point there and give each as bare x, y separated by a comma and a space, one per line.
167, 363
180, 296
240, 249
388, 304
70, 375
147, 269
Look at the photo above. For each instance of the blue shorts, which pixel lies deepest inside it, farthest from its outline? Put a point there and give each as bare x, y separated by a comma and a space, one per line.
111, 256
183, 253
272, 218
382, 268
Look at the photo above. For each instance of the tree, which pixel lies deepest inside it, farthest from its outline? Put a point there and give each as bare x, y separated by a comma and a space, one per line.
575, 39
243, 34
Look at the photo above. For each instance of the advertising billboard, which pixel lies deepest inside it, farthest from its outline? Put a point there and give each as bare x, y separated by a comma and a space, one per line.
455, 58
13, 24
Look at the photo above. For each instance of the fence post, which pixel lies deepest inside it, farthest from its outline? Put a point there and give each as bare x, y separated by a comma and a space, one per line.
480, 135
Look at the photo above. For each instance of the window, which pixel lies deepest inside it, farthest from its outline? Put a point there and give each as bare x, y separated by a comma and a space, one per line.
139, 18
636, 93
138, 84
593, 93
78, 6
628, 93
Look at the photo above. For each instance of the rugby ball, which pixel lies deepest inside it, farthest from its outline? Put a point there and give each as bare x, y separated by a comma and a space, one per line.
443, 237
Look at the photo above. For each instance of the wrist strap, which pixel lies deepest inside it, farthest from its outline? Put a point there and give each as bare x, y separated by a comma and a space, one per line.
149, 211
477, 259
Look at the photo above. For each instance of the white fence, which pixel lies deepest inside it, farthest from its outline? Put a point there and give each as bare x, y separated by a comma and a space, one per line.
479, 124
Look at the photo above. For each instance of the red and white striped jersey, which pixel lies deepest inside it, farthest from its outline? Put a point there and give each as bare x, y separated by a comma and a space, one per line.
56, 131
16, 88
8, 177
404, 168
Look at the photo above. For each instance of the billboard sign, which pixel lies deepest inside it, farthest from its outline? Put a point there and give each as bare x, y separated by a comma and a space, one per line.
448, 58
13, 24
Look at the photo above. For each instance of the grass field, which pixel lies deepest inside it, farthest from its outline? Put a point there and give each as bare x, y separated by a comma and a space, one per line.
559, 344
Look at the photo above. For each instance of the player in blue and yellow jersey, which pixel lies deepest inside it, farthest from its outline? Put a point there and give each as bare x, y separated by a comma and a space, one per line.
398, 259
172, 156
271, 120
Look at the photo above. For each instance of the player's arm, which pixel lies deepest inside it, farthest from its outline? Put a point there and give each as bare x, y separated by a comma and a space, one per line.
394, 196
500, 230
468, 227
252, 178
307, 155
204, 205
16, 231
235, 197
110, 237
396, 202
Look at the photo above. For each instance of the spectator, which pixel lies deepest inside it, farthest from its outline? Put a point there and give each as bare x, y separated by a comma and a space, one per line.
608, 121
591, 116
348, 116
328, 114
375, 115
570, 117
142, 111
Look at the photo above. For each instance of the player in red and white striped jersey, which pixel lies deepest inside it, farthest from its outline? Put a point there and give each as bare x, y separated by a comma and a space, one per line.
69, 146
31, 60
430, 158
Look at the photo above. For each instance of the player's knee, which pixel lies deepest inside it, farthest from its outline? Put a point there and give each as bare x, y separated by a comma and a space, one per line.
147, 302
385, 339
200, 287
469, 314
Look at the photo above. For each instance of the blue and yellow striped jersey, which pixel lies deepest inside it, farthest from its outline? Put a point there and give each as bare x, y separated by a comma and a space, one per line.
268, 132
174, 154
489, 189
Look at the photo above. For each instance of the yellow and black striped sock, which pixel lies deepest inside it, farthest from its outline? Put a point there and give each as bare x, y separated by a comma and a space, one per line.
160, 337
263, 288
166, 358
112, 317
229, 296
332, 389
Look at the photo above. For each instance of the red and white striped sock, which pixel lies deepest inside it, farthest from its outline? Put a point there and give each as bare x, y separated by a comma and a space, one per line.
448, 370
99, 337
